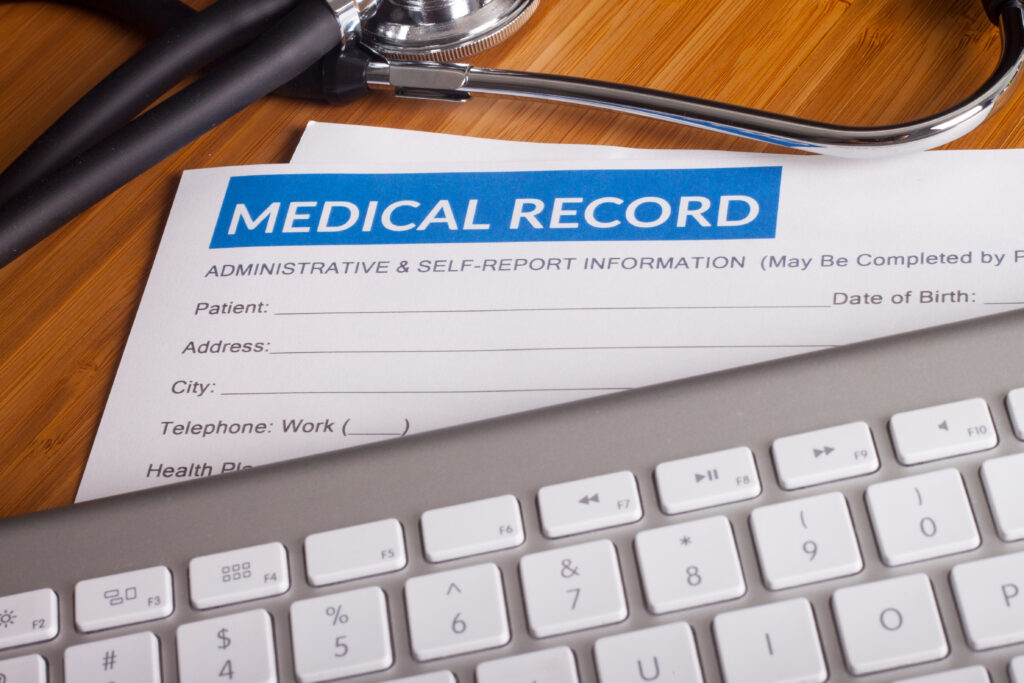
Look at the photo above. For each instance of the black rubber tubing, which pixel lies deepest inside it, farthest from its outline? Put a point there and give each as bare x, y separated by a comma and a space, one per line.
994, 8
298, 40
190, 44
152, 17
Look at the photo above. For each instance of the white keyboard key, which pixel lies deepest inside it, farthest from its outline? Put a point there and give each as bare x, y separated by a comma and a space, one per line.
888, 624
556, 665
29, 617
587, 504
454, 612
990, 594
238, 575
238, 648
805, 541
120, 599
127, 659
355, 552
689, 564
703, 481
1004, 480
773, 643
572, 588
1017, 669
1015, 406
921, 517
341, 635
968, 674
824, 455
942, 431
482, 526
434, 677
665, 653
27, 669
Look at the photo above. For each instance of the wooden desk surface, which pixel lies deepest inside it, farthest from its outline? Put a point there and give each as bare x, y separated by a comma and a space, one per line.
67, 306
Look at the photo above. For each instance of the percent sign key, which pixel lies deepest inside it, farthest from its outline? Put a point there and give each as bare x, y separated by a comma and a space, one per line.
334, 612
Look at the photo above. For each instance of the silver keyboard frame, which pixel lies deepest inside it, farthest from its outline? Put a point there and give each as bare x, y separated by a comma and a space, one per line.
633, 430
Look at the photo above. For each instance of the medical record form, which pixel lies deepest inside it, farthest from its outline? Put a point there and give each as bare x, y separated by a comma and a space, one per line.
298, 309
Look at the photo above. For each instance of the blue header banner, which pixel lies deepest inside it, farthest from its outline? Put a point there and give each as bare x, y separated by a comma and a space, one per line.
522, 206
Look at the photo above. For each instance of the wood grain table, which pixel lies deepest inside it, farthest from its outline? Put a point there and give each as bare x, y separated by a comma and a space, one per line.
66, 306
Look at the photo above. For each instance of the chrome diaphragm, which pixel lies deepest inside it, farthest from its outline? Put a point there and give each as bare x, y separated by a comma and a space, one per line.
441, 30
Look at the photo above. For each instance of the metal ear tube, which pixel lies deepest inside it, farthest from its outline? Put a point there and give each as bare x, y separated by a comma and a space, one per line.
400, 31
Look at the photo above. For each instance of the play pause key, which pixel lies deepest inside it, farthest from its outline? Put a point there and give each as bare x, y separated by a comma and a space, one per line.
703, 481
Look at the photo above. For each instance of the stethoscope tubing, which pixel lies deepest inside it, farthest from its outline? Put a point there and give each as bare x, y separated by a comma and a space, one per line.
300, 38
191, 42
48, 185
152, 17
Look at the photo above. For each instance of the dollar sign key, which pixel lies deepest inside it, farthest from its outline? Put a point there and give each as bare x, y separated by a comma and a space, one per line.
224, 640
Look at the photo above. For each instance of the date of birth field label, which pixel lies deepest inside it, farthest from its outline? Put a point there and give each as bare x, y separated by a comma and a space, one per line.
120, 599
258, 571
707, 480
942, 431
29, 617
482, 526
575, 507
824, 455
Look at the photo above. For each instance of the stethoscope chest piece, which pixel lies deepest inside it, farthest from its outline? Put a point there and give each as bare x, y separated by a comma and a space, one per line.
441, 30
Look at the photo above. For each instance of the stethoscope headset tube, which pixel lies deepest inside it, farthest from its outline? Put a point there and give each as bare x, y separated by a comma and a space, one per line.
335, 50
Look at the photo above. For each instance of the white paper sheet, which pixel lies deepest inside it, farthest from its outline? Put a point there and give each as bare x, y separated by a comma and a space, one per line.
330, 143
295, 364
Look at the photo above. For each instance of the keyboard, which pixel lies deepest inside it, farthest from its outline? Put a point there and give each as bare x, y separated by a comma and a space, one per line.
855, 514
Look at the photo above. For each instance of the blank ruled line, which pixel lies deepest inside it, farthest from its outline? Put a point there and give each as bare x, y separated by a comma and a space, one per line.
554, 309
374, 433
514, 349
418, 391
1004, 303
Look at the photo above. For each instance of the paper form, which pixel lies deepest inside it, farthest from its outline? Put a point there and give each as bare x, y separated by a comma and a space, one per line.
324, 143
342, 330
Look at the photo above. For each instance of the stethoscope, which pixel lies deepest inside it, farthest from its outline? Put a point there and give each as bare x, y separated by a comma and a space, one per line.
341, 49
